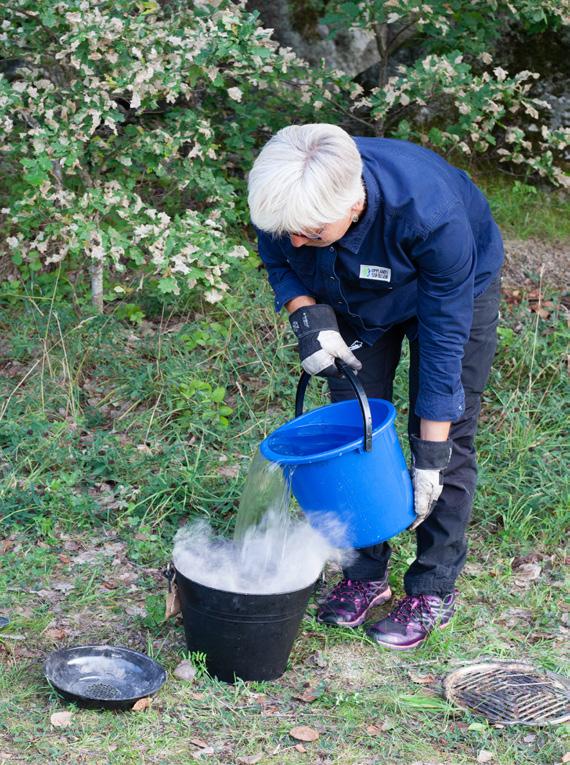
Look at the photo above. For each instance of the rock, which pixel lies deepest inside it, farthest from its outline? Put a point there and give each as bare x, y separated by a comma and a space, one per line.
185, 671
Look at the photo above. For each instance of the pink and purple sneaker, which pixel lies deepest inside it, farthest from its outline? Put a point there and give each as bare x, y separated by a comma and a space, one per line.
411, 621
349, 602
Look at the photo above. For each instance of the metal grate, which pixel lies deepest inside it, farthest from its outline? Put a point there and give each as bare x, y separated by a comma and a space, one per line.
510, 693
100, 691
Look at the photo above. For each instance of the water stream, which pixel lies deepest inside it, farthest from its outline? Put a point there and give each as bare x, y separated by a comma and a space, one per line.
273, 549
266, 488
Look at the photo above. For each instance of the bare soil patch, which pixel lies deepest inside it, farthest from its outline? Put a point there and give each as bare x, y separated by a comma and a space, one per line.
534, 259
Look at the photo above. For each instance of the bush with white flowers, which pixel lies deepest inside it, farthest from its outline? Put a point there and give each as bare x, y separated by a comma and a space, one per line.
125, 129
452, 96
127, 126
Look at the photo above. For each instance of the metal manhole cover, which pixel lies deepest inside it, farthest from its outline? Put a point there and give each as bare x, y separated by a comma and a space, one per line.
510, 693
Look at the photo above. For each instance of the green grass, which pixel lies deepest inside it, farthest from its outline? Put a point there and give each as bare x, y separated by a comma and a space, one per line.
523, 210
114, 434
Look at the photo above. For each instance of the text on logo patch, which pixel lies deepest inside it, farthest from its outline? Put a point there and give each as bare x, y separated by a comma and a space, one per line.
378, 273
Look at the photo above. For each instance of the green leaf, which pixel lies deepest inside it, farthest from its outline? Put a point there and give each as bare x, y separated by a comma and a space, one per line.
435, 136
218, 394
48, 18
167, 285
478, 726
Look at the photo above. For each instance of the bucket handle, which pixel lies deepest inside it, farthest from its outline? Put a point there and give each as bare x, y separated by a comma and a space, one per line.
360, 395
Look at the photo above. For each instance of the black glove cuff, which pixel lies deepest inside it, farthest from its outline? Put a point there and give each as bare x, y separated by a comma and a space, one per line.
430, 455
313, 318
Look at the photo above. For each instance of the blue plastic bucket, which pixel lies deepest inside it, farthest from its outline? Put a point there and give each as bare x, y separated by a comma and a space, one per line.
362, 481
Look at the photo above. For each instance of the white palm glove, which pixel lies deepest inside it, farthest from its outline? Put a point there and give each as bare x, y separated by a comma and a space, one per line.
429, 459
320, 342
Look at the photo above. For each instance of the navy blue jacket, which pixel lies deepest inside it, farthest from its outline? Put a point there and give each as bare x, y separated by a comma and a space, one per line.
425, 246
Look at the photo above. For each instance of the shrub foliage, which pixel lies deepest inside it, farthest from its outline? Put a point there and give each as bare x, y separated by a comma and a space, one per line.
128, 126
126, 129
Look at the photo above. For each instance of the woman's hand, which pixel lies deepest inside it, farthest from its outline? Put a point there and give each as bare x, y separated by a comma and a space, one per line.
429, 459
320, 342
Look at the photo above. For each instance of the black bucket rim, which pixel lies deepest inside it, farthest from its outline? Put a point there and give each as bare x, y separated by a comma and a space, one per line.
252, 595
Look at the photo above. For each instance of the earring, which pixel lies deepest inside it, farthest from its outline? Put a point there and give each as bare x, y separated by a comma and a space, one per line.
355, 218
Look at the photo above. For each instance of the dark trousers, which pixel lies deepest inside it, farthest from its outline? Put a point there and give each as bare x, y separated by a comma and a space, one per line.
441, 538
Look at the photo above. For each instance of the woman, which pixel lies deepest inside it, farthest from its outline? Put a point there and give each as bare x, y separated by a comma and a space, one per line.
365, 241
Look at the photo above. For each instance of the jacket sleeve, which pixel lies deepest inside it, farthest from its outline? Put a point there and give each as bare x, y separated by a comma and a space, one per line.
284, 282
445, 263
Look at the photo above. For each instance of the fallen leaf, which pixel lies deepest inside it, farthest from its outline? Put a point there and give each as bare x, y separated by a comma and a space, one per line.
527, 573
529, 739
56, 633
422, 679
473, 568
61, 719
172, 605
64, 558
309, 695
6, 544
135, 610
516, 616
530, 570
113, 548
566, 758
229, 471
206, 752
250, 759
199, 743
62, 586
373, 730
540, 310
46, 594
142, 704
512, 296
88, 556
185, 671
300, 748
477, 726
304, 733
485, 756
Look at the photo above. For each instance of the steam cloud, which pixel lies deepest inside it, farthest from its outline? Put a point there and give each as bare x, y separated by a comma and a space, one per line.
280, 554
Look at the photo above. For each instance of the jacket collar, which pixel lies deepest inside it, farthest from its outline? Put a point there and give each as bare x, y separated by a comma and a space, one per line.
356, 234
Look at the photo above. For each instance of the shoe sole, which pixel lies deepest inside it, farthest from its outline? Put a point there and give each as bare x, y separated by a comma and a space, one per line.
381, 598
411, 646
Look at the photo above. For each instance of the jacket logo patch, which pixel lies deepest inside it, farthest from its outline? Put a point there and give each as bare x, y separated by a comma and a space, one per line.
377, 273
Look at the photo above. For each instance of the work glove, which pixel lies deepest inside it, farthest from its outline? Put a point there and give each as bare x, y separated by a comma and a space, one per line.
429, 458
320, 342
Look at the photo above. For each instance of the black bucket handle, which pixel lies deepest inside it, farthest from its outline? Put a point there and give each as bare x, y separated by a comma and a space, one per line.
360, 395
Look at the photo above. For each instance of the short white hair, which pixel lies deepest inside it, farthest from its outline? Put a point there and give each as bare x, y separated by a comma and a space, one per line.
305, 177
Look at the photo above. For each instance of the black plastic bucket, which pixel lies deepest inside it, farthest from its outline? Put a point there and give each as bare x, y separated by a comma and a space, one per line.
242, 635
